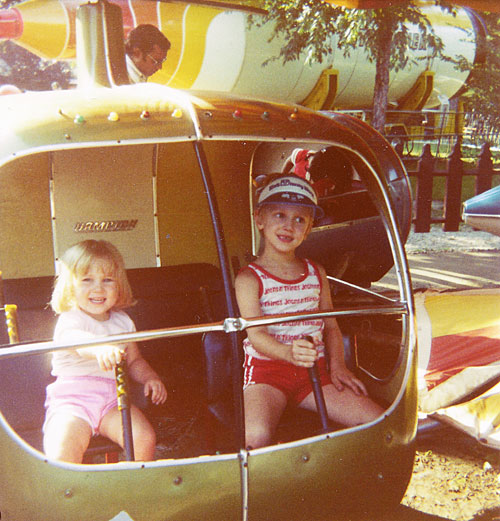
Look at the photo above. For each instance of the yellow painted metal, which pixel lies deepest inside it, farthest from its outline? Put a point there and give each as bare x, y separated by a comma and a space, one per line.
171, 490
323, 94
11, 321
418, 95
195, 26
114, 184
185, 226
25, 223
229, 165
53, 19
82, 116
79, 118
101, 56
314, 479
171, 17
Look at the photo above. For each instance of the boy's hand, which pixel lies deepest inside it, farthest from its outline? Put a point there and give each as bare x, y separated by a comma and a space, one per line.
342, 378
155, 387
303, 353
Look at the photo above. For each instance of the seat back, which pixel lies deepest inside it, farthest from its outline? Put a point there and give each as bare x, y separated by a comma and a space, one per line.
177, 296
219, 381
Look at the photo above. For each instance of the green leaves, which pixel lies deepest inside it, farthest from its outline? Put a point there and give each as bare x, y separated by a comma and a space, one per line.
311, 26
386, 35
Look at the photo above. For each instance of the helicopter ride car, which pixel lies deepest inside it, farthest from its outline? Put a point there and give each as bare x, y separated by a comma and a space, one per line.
168, 177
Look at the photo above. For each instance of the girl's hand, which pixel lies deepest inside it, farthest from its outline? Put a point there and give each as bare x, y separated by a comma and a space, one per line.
342, 378
108, 356
155, 387
303, 353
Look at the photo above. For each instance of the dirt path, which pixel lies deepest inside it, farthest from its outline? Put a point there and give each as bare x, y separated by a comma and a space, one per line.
454, 478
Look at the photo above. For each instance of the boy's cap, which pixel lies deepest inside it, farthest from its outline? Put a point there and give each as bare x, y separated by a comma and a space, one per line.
290, 189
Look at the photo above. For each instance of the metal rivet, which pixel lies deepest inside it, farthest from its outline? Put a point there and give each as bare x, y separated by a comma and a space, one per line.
178, 480
68, 493
305, 458
388, 437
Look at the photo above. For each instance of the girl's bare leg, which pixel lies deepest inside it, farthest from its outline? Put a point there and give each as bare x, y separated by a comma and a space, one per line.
142, 432
66, 437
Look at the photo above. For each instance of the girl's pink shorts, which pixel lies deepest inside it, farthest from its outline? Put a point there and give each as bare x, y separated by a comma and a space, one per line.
86, 397
291, 380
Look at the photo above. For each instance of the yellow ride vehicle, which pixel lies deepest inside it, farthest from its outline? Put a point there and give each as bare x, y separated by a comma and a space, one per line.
168, 177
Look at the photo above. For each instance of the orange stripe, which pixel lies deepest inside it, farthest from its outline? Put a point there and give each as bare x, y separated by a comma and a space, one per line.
145, 12
453, 353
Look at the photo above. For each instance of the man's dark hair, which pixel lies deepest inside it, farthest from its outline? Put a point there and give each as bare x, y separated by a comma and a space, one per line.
145, 37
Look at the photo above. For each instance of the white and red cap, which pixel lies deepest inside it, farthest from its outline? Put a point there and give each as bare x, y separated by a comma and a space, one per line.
290, 189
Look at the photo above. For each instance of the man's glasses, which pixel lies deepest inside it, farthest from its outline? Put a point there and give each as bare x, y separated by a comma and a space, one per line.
158, 63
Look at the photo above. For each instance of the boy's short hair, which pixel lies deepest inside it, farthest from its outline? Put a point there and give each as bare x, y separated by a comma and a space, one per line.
76, 262
145, 37
289, 189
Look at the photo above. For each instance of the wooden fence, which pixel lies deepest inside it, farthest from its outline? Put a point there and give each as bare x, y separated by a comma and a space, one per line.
424, 170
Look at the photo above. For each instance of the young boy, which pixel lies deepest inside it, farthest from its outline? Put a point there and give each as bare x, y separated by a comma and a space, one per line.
277, 356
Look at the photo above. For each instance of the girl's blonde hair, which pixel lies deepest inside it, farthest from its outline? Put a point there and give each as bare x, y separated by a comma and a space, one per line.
76, 262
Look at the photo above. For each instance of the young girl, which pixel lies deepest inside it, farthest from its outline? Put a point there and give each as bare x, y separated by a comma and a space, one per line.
90, 291
277, 357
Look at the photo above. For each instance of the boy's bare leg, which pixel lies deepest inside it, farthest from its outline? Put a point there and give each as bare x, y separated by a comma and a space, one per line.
345, 407
264, 405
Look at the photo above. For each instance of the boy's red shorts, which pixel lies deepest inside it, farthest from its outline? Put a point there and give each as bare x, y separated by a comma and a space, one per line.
291, 380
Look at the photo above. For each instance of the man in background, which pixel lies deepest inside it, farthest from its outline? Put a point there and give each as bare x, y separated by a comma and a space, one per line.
146, 50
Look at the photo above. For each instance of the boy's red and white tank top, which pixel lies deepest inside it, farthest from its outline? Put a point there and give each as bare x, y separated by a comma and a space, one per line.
278, 296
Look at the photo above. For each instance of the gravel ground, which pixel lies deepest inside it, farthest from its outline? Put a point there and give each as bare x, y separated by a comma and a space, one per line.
445, 261
454, 478
466, 239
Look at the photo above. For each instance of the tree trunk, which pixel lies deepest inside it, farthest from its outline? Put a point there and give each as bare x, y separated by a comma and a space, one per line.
381, 91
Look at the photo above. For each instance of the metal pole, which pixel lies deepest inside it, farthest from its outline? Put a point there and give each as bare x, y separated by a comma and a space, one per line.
318, 393
236, 360
11, 321
124, 408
